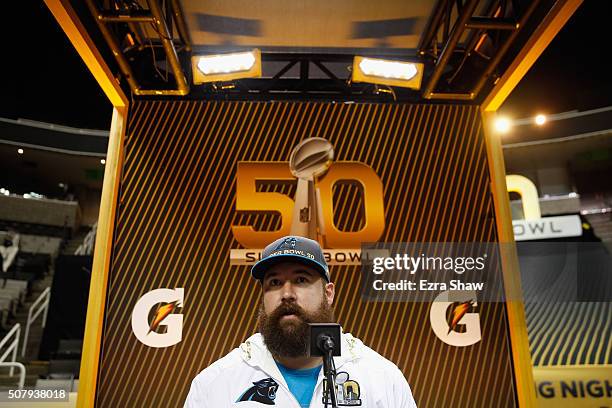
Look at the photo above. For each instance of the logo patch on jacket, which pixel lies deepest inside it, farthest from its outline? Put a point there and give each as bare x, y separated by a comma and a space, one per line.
347, 391
262, 391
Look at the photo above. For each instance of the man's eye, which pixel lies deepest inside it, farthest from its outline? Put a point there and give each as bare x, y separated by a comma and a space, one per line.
301, 279
274, 282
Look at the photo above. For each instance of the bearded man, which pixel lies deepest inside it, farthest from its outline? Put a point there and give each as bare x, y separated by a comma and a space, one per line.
273, 367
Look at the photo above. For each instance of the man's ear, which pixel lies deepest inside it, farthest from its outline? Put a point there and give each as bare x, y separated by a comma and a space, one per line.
330, 292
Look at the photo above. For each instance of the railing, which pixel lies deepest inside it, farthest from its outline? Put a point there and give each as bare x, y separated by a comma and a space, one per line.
86, 248
22, 371
43, 307
12, 347
9, 254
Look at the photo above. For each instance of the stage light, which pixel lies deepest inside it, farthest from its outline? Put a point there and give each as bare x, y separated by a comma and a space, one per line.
502, 125
102, 161
226, 67
540, 120
387, 72
20, 151
224, 64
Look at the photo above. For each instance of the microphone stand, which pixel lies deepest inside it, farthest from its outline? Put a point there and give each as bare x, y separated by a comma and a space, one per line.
329, 370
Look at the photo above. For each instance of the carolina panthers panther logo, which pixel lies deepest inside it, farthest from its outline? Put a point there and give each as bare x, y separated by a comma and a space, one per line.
287, 243
263, 391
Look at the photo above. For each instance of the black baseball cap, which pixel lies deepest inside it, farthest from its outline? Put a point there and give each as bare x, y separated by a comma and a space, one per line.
291, 249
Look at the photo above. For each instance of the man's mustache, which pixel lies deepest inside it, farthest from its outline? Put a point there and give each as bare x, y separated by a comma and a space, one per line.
287, 309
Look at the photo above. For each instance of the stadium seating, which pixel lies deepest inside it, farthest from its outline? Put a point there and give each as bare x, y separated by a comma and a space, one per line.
33, 249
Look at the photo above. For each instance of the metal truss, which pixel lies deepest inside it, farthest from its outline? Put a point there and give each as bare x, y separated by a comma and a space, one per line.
465, 41
127, 26
462, 46
150, 43
304, 76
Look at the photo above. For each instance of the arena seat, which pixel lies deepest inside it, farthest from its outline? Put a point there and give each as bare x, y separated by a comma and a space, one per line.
11, 300
13, 293
34, 229
15, 284
5, 310
29, 267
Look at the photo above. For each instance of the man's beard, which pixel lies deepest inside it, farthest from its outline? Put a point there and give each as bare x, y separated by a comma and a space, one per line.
290, 337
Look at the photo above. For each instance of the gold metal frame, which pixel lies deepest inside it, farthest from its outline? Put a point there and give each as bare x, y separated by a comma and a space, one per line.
521, 355
74, 29
519, 342
101, 262
80, 39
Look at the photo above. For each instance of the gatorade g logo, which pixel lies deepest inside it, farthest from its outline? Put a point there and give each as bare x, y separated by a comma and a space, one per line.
154, 312
447, 327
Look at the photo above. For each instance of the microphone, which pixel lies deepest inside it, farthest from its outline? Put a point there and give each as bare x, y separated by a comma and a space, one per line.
324, 338
325, 342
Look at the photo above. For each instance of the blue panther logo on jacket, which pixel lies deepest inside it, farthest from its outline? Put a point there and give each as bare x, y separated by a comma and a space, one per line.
263, 391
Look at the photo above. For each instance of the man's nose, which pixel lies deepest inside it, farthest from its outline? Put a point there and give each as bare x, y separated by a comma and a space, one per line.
288, 292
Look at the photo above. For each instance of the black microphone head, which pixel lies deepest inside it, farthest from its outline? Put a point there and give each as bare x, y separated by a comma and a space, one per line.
325, 342
324, 336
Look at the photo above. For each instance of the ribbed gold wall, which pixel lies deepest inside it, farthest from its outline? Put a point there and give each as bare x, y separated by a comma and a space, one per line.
173, 229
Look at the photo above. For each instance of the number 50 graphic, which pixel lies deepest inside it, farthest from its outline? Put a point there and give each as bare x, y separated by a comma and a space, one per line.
250, 200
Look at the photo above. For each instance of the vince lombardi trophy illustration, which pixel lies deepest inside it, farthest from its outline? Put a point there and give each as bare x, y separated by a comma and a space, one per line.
309, 159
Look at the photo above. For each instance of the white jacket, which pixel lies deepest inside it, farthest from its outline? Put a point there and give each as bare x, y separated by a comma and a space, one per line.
248, 378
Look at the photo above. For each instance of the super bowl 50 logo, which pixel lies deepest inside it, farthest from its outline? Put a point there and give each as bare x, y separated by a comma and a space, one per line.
310, 213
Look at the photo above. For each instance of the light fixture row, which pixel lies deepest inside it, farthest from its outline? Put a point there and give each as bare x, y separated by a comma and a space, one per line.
227, 67
503, 124
20, 151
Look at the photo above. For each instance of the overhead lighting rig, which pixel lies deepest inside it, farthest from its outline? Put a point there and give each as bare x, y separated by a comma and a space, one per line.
465, 41
147, 34
460, 53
